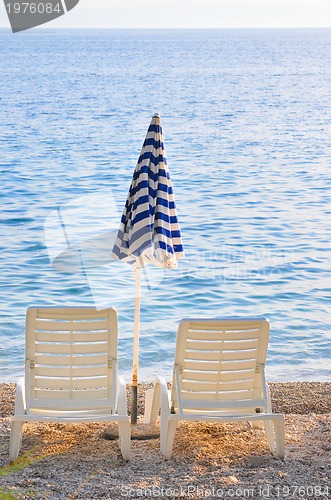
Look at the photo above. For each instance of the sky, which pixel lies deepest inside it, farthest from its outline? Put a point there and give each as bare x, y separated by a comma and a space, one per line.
191, 14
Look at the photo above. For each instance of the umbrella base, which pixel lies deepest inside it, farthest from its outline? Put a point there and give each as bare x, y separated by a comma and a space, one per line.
139, 432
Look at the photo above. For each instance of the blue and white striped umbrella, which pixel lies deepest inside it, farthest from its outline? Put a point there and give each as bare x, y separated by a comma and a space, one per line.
149, 229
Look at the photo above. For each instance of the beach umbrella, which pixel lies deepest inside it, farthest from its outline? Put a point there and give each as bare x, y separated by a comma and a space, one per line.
149, 231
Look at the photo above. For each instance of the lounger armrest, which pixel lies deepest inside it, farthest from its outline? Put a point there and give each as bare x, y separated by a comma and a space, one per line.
156, 399
20, 397
122, 408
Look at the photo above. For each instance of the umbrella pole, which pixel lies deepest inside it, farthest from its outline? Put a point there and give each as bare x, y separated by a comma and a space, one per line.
134, 400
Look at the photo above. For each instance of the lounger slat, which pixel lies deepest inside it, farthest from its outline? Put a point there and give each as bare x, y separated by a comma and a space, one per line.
208, 403
219, 335
45, 395
66, 383
89, 326
230, 366
249, 348
67, 337
85, 371
206, 345
235, 365
208, 376
70, 313
77, 348
230, 345
215, 366
64, 326
228, 326
237, 375
236, 386
207, 365
214, 377
66, 360
223, 375
223, 356
238, 355
199, 386
217, 396
202, 356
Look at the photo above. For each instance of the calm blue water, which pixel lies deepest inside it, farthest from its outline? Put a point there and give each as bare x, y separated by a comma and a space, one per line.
246, 118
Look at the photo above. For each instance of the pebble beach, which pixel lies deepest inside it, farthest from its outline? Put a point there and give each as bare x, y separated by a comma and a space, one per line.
74, 461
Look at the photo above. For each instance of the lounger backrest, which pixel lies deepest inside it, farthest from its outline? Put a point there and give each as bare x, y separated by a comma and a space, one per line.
71, 358
219, 364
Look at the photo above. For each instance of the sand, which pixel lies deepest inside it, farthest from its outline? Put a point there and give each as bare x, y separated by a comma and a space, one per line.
74, 461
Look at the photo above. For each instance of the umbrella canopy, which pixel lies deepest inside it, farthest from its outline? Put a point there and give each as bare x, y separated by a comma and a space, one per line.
149, 229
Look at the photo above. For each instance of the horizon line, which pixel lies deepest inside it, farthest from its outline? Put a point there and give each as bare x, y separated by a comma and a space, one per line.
41, 27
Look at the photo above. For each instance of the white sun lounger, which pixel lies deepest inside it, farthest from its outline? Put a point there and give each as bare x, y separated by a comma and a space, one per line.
70, 372
218, 376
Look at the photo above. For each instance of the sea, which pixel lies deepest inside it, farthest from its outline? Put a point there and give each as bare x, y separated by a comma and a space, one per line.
246, 117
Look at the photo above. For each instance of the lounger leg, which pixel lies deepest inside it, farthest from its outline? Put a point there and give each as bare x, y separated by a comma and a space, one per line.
152, 405
15, 439
169, 439
125, 439
279, 427
148, 405
269, 430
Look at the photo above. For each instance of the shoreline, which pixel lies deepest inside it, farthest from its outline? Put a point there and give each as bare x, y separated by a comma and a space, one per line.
73, 461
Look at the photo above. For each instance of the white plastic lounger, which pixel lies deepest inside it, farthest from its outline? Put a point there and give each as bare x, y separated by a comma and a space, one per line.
218, 376
70, 372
